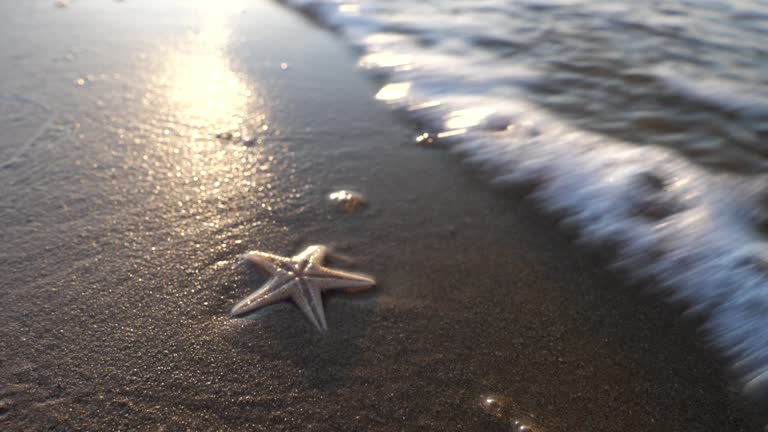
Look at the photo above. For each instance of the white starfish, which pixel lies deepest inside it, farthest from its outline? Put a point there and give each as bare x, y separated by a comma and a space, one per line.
301, 278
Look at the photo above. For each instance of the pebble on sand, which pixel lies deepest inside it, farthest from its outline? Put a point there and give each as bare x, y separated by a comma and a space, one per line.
347, 201
499, 408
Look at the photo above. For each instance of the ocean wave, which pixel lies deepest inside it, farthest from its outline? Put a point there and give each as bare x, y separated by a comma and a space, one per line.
696, 235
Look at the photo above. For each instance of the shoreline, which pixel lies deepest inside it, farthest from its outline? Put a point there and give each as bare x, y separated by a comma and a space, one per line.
121, 294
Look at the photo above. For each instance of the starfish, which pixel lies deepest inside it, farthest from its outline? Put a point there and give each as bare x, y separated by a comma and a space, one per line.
300, 278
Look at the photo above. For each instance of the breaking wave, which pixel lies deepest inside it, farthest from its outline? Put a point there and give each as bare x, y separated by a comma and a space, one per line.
479, 76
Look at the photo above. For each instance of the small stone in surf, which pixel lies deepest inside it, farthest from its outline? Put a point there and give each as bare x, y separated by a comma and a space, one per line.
241, 137
499, 408
347, 201
494, 406
651, 199
425, 139
226, 136
249, 141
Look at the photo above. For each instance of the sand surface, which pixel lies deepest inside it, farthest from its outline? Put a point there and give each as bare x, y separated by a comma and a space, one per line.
123, 215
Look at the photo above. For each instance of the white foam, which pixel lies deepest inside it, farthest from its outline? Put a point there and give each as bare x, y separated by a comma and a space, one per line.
665, 218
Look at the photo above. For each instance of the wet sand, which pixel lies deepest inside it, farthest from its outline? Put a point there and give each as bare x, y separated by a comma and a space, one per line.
124, 214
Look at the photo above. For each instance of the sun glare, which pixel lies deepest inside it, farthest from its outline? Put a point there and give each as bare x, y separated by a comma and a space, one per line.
201, 85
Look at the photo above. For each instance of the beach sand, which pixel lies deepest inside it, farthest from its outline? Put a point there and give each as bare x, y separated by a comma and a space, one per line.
124, 215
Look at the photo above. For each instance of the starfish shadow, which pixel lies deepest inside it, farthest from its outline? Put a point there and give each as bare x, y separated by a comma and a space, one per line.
324, 359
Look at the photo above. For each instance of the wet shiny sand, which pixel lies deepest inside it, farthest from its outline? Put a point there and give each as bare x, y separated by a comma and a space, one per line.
124, 211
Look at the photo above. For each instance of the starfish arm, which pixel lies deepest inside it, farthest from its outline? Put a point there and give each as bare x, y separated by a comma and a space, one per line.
313, 255
316, 301
265, 260
273, 291
311, 308
326, 279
